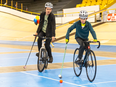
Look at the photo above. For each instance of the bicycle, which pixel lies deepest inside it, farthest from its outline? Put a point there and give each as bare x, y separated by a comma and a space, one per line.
88, 61
42, 61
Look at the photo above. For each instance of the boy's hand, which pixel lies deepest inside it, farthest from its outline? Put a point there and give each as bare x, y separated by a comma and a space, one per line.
53, 38
95, 40
66, 40
35, 34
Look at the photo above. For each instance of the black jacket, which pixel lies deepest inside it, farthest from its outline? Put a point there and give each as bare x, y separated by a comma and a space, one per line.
50, 31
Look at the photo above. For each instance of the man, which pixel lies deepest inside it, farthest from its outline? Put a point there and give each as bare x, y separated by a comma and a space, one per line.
47, 28
82, 32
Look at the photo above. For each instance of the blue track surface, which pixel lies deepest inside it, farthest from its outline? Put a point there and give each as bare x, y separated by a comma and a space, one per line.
107, 48
49, 78
5, 49
106, 75
19, 59
93, 47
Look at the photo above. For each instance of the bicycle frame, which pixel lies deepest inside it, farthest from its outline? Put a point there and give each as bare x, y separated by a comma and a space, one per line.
87, 52
43, 47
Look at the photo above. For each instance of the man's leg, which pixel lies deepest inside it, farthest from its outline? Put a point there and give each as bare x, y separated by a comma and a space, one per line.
48, 48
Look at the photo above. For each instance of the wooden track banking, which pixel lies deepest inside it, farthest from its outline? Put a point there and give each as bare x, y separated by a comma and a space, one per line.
17, 29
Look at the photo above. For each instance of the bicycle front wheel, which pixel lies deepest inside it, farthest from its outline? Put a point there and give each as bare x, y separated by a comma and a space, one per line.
91, 66
76, 67
41, 60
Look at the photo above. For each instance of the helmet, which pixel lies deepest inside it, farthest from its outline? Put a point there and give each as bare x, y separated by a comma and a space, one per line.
49, 4
83, 14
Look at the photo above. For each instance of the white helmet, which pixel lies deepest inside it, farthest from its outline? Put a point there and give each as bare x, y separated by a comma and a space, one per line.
49, 4
83, 14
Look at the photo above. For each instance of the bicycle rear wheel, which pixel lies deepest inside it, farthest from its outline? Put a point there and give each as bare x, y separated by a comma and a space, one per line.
41, 62
76, 67
91, 66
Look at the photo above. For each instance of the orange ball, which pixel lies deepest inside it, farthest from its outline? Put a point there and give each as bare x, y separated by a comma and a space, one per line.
61, 81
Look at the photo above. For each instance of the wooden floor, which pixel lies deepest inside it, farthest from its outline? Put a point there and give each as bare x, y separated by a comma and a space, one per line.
15, 28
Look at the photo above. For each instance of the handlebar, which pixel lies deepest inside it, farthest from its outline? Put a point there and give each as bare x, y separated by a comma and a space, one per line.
94, 42
42, 37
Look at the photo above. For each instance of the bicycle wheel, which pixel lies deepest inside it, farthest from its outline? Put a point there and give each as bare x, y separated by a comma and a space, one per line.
41, 60
91, 66
76, 67
46, 62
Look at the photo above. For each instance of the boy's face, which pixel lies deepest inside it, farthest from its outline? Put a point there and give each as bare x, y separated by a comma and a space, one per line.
83, 20
48, 10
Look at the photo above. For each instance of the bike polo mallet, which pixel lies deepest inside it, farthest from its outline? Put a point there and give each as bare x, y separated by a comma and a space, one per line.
30, 52
60, 76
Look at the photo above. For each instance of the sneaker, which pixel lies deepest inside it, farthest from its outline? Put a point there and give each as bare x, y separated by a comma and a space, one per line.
78, 61
37, 54
50, 59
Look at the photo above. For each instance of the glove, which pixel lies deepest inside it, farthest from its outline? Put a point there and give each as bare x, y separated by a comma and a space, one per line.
66, 40
95, 40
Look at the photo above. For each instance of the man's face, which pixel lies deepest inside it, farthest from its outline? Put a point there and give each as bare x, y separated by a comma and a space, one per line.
48, 10
83, 20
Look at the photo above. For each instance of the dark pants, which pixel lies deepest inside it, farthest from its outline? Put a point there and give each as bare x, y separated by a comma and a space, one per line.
47, 43
83, 45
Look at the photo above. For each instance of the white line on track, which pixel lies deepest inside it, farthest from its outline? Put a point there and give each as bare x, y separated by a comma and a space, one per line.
83, 85
51, 79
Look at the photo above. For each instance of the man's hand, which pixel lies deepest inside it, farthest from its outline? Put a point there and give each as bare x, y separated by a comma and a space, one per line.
53, 38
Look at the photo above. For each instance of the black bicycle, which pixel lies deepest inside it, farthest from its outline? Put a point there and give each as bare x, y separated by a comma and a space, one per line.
88, 61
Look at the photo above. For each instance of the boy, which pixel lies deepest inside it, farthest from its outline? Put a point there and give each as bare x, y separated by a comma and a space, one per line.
46, 28
82, 32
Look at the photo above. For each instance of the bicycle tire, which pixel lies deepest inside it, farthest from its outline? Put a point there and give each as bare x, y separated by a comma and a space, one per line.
41, 60
46, 63
76, 67
91, 63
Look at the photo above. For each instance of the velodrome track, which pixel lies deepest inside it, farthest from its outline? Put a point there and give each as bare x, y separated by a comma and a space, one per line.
16, 37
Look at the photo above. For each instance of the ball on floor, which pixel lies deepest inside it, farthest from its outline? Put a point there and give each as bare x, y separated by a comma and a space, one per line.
60, 76
61, 81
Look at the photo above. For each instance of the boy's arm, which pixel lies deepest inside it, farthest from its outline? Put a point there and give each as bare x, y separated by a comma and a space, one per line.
70, 29
53, 26
92, 32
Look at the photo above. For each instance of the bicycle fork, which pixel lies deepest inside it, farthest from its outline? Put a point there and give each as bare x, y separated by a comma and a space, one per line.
85, 59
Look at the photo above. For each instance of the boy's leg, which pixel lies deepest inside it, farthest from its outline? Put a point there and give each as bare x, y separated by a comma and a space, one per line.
48, 48
82, 47
39, 41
